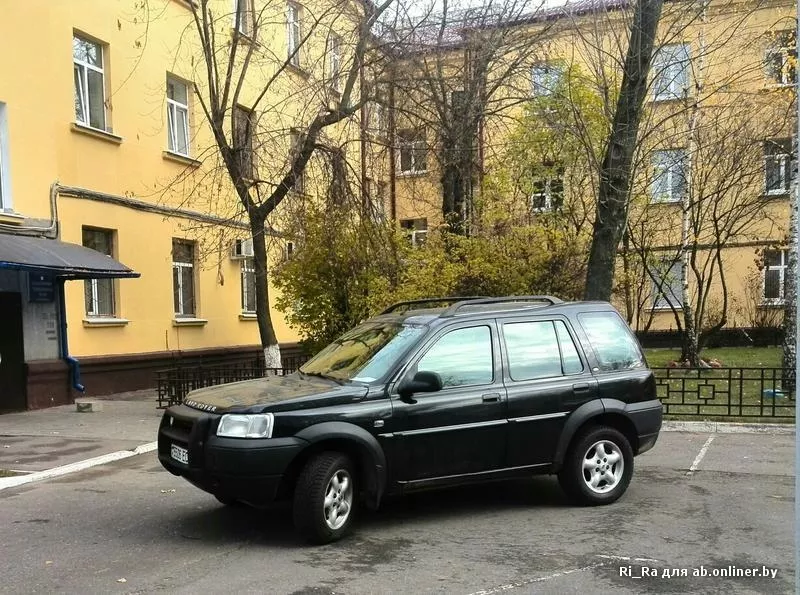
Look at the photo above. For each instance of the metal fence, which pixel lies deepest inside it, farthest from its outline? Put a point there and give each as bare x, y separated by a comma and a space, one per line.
746, 394
175, 383
766, 394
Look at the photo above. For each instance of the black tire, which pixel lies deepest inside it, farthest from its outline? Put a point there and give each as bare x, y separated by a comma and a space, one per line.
575, 479
316, 523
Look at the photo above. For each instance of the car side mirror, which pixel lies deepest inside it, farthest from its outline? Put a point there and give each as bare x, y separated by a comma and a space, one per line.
423, 382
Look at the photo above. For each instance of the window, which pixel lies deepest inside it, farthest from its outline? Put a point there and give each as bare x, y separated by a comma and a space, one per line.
533, 350
243, 122
90, 91
183, 277
417, 230
293, 39
614, 345
548, 195
570, 360
413, 150
288, 251
178, 116
380, 200
296, 140
667, 286
671, 72
5, 170
99, 293
669, 176
462, 357
248, 286
778, 165
775, 277
545, 78
335, 61
377, 118
245, 17
781, 59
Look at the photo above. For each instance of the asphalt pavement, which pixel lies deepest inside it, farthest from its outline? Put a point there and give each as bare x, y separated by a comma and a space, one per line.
716, 502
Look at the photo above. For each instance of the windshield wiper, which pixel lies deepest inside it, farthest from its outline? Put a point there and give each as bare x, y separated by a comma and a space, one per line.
321, 375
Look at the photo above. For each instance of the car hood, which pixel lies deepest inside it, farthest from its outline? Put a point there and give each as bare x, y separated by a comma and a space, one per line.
274, 393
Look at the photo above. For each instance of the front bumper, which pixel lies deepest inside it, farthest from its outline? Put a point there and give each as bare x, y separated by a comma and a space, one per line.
646, 418
250, 470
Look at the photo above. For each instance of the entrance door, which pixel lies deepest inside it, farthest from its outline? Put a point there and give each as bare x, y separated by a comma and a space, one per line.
12, 353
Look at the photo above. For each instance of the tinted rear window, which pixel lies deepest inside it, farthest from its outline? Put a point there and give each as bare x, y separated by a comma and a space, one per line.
614, 345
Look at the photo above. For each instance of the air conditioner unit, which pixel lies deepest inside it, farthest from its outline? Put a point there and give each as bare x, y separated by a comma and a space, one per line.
241, 249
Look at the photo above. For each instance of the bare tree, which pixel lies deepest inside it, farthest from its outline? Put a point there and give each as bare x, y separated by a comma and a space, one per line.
270, 108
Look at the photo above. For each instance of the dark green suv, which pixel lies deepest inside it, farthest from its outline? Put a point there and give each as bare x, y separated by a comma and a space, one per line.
422, 397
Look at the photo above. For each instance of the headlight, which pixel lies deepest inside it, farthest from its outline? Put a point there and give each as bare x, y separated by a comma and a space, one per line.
245, 426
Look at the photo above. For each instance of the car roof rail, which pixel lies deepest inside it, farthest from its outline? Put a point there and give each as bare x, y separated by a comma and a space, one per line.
452, 310
409, 304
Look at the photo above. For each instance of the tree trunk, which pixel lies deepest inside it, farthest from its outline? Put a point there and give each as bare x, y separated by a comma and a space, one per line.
790, 300
269, 343
615, 172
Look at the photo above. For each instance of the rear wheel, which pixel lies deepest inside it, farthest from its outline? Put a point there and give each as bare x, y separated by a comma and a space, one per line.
598, 466
324, 498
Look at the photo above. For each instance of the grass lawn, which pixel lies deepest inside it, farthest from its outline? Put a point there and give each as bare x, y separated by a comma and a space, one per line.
731, 357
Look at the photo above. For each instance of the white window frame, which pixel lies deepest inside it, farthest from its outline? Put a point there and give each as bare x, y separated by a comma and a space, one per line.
675, 72
84, 68
377, 119
93, 311
783, 161
6, 204
174, 110
662, 301
672, 167
293, 33
547, 194
788, 58
248, 268
413, 146
544, 79
243, 17
180, 266
781, 268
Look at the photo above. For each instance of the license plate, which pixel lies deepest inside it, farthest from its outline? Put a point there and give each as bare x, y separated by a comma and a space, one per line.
180, 454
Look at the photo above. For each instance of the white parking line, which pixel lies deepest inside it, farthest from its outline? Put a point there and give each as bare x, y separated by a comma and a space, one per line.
700, 455
12, 482
541, 579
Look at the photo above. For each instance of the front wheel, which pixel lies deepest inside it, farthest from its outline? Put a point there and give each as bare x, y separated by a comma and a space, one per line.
598, 466
324, 498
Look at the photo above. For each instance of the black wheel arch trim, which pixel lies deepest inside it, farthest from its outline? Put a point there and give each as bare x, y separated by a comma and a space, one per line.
575, 420
373, 459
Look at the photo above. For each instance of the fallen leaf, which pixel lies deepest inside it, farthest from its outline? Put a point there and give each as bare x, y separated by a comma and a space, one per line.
6, 446
48, 562
122, 580
172, 491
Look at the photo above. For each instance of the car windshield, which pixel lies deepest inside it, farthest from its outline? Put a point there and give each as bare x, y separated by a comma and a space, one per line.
366, 353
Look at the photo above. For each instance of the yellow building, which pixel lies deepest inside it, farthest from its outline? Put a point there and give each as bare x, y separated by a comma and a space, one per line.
718, 124
103, 112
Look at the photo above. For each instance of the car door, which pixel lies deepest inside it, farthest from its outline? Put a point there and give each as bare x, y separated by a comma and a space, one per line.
460, 429
546, 377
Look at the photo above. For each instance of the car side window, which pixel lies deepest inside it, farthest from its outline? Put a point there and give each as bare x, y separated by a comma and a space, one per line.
613, 342
532, 350
462, 357
570, 359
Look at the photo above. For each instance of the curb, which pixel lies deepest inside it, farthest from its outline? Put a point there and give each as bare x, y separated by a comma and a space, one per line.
12, 482
719, 427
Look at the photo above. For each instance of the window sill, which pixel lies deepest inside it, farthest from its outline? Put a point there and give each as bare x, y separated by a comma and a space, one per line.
778, 304
778, 86
248, 316
666, 309
104, 321
774, 195
412, 174
96, 133
671, 202
298, 70
189, 322
668, 100
11, 218
182, 159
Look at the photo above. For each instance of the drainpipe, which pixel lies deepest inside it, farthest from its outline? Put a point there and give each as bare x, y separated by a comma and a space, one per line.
74, 365
50, 231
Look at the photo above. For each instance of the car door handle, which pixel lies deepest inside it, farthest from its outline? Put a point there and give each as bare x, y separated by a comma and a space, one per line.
490, 397
581, 387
